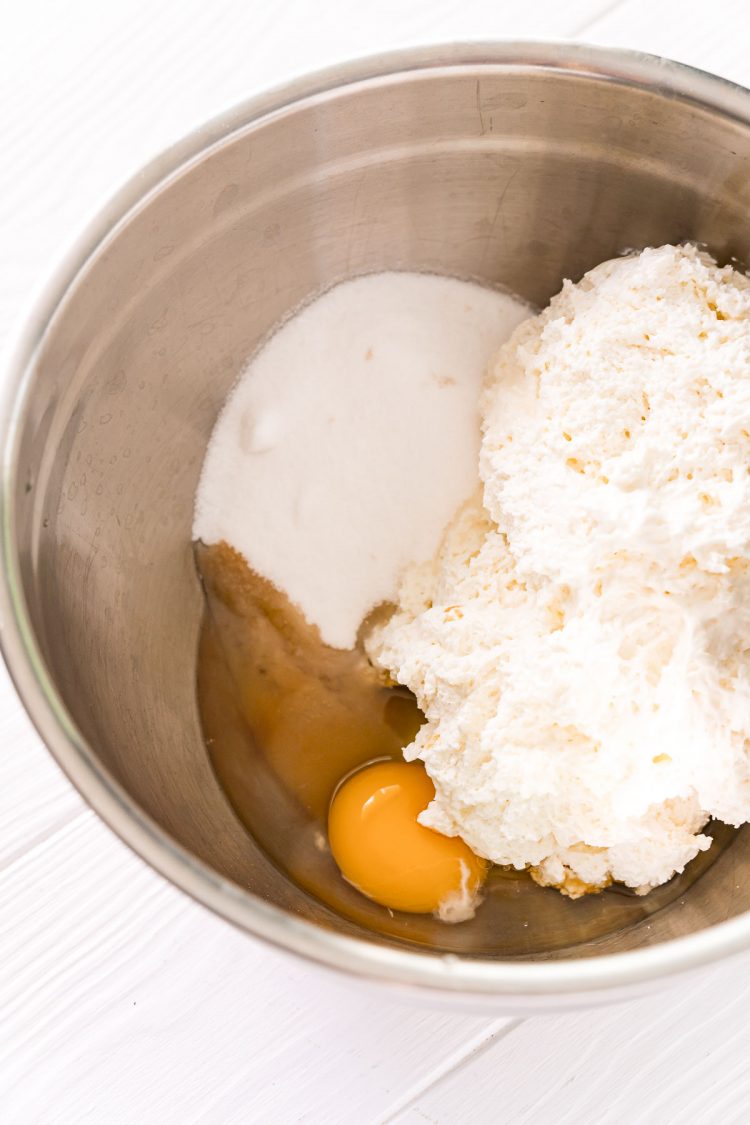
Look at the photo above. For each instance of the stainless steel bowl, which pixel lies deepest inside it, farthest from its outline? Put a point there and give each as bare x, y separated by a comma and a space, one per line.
520, 164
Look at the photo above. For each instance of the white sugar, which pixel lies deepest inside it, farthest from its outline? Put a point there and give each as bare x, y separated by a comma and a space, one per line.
351, 439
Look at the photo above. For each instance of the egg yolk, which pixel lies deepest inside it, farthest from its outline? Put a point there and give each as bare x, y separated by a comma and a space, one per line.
385, 853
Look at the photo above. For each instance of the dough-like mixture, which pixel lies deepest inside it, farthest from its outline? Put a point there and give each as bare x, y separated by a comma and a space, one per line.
580, 645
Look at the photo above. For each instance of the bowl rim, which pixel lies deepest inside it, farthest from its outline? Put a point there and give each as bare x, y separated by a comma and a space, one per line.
437, 973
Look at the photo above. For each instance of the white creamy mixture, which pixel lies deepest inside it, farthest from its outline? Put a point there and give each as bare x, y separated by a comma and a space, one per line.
581, 643
351, 439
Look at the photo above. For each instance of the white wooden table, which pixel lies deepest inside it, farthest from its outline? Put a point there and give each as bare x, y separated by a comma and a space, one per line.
121, 1001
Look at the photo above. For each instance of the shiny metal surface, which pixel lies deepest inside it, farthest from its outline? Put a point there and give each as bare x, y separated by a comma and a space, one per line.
515, 164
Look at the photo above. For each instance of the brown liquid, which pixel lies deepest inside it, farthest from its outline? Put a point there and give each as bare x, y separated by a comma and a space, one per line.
286, 718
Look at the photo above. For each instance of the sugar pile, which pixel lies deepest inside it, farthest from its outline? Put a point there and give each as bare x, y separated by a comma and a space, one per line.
351, 438
580, 644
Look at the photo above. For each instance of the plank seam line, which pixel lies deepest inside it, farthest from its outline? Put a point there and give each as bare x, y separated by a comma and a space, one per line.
606, 11
41, 838
472, 1050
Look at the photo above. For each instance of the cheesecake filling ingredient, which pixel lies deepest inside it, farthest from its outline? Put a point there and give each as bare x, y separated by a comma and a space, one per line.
580, 643
350, 439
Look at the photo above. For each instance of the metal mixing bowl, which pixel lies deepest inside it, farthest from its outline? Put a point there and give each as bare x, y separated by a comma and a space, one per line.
520, 164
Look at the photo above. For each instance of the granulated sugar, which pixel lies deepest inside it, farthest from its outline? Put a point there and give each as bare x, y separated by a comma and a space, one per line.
351, 439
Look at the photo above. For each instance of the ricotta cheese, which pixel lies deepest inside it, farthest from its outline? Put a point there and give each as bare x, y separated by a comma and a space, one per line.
580, 645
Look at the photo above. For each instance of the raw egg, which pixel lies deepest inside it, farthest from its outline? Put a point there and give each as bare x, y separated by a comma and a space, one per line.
386, 854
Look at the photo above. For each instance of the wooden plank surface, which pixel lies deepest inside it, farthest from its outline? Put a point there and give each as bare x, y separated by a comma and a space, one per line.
121, 1001
119, 993
678, 1056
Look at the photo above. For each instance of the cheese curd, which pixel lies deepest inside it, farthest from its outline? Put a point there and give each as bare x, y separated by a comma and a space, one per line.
580, 645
